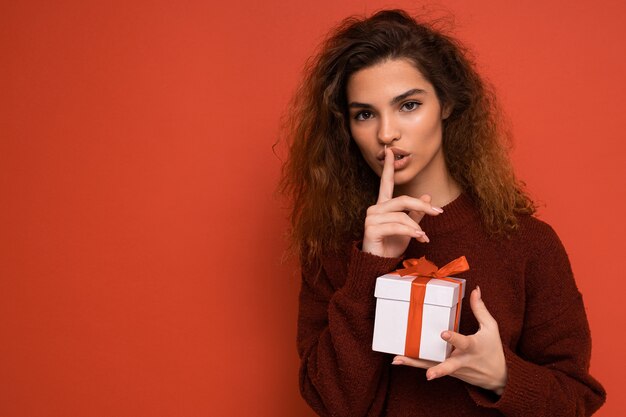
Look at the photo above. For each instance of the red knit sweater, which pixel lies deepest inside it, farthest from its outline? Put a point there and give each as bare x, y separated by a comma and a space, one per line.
528, 287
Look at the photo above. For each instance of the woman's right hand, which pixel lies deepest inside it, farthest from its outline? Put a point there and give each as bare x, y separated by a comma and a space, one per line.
388, 227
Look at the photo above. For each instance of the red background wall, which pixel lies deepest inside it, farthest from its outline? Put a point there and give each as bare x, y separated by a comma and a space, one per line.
141, 240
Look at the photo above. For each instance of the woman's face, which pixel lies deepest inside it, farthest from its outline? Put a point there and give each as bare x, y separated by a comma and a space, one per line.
392, 104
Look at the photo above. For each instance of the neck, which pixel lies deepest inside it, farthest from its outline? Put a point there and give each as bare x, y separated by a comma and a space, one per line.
434, 180
440, 193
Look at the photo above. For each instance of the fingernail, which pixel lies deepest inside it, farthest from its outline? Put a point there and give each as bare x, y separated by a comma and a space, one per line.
396, 362
430, 376
420, 233
480, 296
437, 209
426, 238
445, 335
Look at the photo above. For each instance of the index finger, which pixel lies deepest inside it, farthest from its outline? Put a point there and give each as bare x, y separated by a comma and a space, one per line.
385, 192
447, 367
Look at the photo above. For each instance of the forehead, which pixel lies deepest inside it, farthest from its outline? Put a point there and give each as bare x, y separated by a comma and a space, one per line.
386, 80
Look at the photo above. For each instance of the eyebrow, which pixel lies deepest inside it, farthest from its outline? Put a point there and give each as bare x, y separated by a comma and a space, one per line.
395, 100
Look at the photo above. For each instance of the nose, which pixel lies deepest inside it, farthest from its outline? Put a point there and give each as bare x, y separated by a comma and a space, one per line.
388, 131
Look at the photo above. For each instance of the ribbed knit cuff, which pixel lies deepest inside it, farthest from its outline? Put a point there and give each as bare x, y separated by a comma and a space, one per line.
522, 391
363, 270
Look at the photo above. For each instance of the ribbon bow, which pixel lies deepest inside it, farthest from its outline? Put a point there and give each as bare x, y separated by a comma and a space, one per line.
424, 268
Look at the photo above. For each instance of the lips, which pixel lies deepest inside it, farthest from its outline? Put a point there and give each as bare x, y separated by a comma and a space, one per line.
402, 158
397, 152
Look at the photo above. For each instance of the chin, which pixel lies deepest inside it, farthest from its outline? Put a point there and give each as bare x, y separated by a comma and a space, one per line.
401, 178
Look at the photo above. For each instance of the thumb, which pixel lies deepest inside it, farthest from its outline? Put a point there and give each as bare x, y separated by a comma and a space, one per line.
480, 309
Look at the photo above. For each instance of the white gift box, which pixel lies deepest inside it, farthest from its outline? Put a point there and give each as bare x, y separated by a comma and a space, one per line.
439, 313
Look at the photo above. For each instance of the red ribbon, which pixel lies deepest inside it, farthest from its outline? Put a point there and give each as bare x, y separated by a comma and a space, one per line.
422, 267
424, 271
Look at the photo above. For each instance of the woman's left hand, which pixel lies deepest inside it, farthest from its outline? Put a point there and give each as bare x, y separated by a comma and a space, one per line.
477, 359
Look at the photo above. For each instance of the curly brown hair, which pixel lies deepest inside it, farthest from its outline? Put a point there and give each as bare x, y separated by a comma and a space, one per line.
330, 185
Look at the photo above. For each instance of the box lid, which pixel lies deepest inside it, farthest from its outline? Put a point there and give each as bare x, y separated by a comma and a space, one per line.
439, 292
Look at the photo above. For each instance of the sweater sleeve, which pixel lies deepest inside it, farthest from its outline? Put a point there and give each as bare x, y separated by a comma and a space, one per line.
340, 375
548, 370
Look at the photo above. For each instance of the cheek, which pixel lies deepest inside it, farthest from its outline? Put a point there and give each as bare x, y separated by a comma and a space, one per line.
360, 137
363, 150
366, 151
426, 126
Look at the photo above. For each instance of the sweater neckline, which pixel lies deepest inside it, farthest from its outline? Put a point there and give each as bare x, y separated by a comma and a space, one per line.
456, 214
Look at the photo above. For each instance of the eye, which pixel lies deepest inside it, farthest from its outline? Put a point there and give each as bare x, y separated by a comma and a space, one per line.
411, 105
363, 115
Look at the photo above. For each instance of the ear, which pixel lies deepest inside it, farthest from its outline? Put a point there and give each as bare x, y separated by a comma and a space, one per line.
446, 111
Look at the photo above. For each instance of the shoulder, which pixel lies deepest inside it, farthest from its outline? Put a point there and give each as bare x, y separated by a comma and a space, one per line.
541, 247
537, 236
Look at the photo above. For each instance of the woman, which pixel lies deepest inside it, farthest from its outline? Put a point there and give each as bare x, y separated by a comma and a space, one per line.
397, 152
